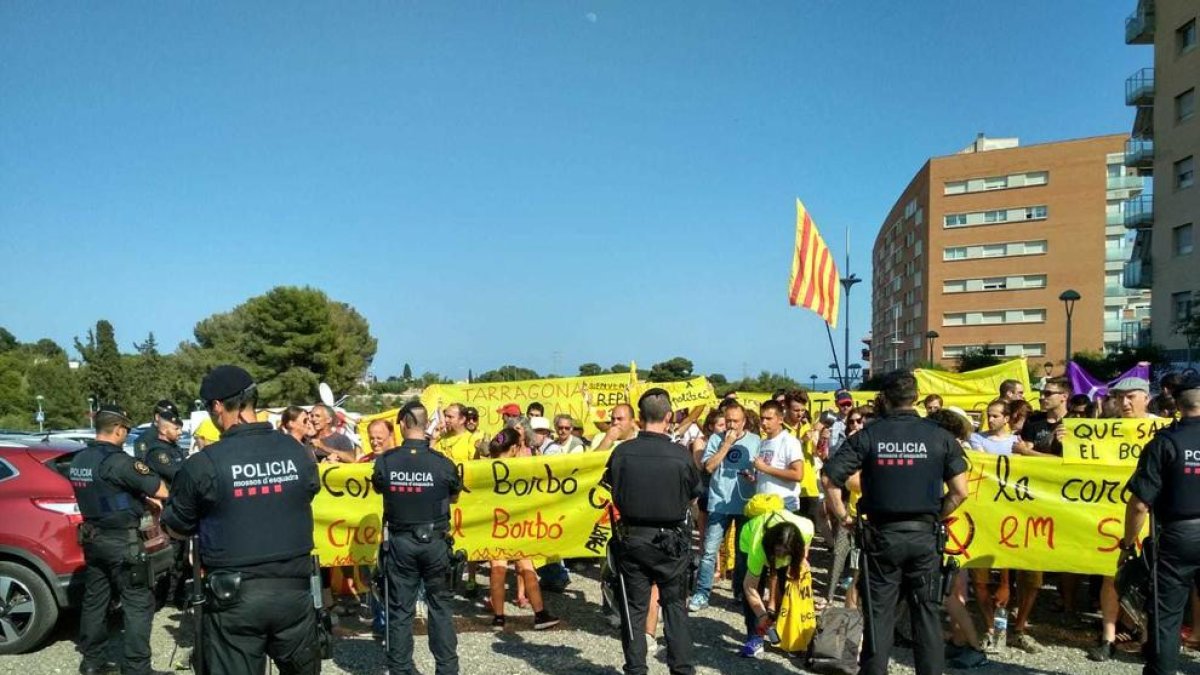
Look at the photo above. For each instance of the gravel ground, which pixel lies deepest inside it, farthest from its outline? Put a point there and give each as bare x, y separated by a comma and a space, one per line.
585, 643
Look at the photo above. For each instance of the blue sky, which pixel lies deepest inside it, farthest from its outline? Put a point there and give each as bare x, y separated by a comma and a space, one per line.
537, 183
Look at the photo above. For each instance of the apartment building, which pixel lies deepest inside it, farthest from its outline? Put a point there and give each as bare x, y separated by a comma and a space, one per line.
981, 244
1165, 144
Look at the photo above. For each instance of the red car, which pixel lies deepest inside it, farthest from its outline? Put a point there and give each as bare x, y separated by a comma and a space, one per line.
41, 563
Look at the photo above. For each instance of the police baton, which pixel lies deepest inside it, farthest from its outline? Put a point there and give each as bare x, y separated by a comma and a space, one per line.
196, 601
1154, 615
615, 568
382, 576
865, 577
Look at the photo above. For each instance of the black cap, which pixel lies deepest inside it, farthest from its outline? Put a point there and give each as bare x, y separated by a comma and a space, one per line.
471, 413
1189, 381
223, 382
168, 411
111, 413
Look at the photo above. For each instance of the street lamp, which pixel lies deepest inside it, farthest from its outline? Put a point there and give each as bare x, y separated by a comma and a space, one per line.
92, 411
41, 416
932, 336
1069, 297
197, 405
814, 381
854, 370
833, 372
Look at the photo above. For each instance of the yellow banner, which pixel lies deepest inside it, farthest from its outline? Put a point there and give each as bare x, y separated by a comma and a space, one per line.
684, 394
509, 509
980, 383
818, 401
1108, 441
1039, 513
559, 396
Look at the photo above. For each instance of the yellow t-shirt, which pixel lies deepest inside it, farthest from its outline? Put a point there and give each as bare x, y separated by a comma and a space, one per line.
459, 447
808, 484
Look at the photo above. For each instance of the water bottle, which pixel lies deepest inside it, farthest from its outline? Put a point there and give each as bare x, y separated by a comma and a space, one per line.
1000, 627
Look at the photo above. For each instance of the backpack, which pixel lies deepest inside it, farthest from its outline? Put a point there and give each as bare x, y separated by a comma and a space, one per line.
835, 647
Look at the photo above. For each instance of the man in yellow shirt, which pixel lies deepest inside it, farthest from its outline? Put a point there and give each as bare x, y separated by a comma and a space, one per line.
456, 442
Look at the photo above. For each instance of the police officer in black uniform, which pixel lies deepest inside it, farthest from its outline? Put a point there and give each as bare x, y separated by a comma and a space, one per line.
111, 488
418, 486
159, 446
1167, 480
249, 497
653, 481
905, 460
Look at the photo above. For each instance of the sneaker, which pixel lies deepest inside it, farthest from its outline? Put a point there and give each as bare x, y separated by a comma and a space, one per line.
990, 644
544, 619
967, 658
498, 622
1102, 652
1021, 640
753, 648
698, 603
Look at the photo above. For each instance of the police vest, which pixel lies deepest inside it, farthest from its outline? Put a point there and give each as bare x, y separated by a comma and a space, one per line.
415, 483
902, 472
263, 510
102, 503
1180, 496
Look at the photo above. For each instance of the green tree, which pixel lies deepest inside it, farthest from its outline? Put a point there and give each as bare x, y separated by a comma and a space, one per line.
63, 400
619, 368
589, 369
976, 357
406, 375
8, 341
288, 338
671, 370
766, 381
507, 374
104, 375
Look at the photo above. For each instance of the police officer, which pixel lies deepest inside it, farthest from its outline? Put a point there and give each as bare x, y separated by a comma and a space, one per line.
904, 461
111, 488
418, 486
1167, 480
159, 446
248, 496
653, 481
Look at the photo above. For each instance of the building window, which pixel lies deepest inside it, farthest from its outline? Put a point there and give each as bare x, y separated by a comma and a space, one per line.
1185, 173
1185, 37
1035, 212
1185, 105
1181, 306
956, 220
1181, 240
1010, 181
995, 284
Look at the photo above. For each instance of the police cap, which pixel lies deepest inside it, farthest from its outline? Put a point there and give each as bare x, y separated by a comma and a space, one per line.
168, 411
224, 382
111, 413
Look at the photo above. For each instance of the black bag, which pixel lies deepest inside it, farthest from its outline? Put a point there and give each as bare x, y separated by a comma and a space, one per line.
835, 646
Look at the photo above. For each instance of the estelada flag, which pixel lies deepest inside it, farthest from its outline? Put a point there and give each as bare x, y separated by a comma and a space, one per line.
814, 283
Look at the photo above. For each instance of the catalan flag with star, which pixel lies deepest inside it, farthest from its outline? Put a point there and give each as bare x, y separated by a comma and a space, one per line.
814, 281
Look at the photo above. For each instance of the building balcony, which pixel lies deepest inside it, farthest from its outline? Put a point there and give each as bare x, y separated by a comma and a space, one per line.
1117, 218
1139, 88
1124, 183
1119, 254
1139, 26
1139, 212
1139, 154
1139, 274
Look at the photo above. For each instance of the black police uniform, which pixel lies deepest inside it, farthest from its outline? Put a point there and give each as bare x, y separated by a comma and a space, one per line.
249, 496
905, 461
418, 486
653, 481
110, 487
1168, 479
164, 458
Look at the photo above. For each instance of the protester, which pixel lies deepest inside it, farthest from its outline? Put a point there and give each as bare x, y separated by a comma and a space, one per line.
1043, 430
535, 409
621, 428
837, 431
842, 536
729, 458
506, 445
997, 439
1012, 390
565, 442
776, 547
543, 435
328, 444
457, 442
471, 419
932, 404
714, 423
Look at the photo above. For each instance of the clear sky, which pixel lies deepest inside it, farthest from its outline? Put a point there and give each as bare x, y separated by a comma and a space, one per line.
536, 183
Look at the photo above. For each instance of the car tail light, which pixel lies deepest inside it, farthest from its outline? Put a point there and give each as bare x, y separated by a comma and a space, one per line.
67, 507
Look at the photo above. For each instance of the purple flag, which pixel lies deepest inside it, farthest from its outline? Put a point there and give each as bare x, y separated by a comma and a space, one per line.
1082, 382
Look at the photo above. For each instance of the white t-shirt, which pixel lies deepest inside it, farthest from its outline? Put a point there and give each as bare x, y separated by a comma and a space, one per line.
995, 446
780, 452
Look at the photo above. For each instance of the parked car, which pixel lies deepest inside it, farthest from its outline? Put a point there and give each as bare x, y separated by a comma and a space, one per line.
41, 562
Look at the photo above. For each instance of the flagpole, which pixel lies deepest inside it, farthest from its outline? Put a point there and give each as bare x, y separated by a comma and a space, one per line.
837, 369
848, 281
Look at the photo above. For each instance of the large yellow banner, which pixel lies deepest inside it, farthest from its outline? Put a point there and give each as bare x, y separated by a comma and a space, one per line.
517, 508
974, 389
559, 396
1108, 441
1039, 513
